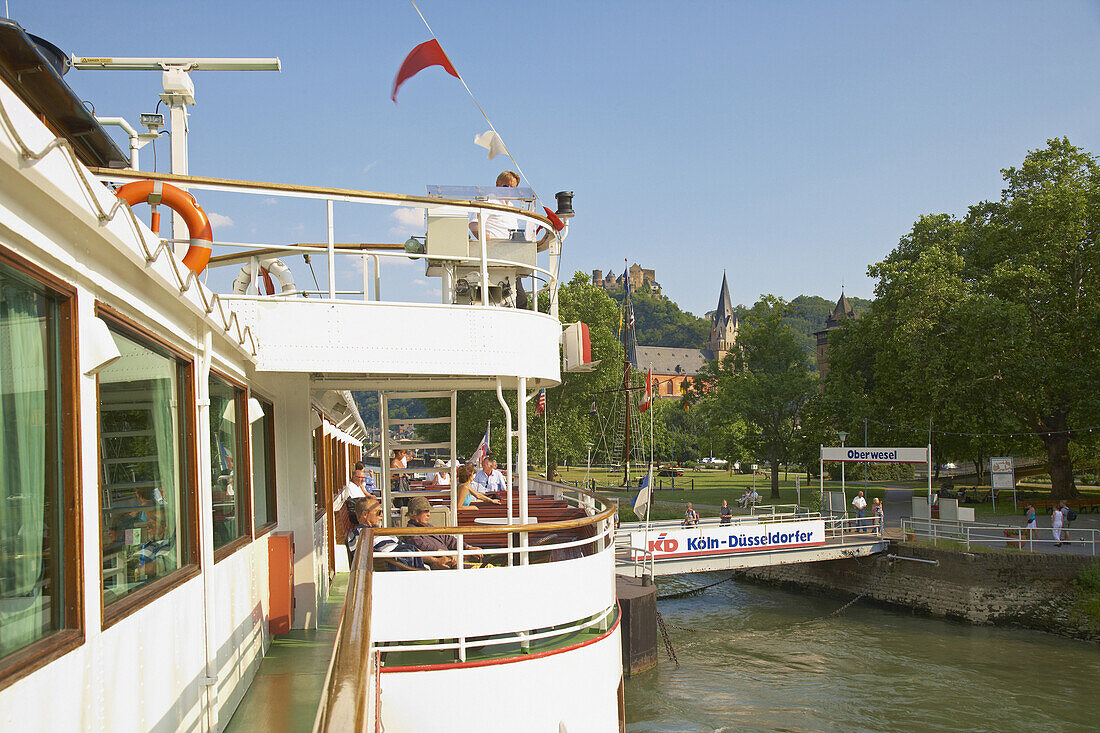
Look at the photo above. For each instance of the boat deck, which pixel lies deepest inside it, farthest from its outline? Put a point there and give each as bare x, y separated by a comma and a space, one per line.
287, 689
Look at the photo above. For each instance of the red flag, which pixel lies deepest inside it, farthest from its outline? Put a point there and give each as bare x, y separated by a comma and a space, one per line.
558, 223
648, 391
428, 53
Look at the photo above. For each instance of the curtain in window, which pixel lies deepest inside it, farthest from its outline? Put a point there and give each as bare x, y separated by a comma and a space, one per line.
24, 379
163, 393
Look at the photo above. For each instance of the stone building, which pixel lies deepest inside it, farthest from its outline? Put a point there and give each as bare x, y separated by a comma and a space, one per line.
841, 314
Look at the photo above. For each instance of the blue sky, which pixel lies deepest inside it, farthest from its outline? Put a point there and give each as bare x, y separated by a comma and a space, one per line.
788, 143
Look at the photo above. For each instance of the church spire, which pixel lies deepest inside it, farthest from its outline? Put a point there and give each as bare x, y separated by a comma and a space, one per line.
725, 305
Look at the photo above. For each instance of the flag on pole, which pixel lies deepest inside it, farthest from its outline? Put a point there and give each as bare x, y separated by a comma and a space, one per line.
428, 53
648, 391
645, 495
491, 141
482, 448
540, 406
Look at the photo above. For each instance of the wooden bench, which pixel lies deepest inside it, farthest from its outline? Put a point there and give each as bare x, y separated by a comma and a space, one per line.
1079, 505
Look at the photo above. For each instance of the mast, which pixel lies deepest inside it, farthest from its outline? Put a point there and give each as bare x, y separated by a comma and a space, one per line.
626, 396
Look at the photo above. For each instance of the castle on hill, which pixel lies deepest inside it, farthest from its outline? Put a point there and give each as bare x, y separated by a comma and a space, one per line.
640, 279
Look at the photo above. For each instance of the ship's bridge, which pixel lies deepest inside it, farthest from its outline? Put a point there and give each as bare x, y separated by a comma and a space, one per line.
496, 262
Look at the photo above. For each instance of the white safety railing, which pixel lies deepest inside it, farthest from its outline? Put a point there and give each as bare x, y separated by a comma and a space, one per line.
544, 279
997, 536
599, 516
638, 559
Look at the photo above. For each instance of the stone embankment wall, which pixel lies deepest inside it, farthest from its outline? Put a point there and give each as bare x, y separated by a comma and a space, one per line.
1014, 589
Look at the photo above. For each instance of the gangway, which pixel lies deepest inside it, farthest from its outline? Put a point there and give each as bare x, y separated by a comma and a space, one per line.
669, 548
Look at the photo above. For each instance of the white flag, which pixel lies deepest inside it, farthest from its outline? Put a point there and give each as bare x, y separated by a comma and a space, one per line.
491, 142
644, 497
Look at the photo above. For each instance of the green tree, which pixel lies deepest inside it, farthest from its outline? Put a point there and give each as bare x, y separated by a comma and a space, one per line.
987, 325
765, 383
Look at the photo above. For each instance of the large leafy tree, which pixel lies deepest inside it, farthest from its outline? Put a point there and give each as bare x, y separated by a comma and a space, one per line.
987, 326
764, 384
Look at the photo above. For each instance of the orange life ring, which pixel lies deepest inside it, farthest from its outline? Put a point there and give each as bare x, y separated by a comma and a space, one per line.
184, 204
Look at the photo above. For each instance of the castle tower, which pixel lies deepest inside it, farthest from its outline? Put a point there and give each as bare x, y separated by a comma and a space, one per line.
841, 314
723, 325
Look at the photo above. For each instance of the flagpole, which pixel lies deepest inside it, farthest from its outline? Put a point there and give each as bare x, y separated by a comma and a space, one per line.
648, 504
649, 386
545, 443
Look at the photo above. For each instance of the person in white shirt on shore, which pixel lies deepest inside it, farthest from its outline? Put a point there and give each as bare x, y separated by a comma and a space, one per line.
860, 505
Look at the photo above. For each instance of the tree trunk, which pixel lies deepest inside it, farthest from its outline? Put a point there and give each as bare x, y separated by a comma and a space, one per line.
775, 476
1059, 465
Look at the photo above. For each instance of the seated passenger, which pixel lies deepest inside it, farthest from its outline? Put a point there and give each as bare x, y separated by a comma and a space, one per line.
442, 478
489, 479
366, 513
419, 515
744, 500
466, 492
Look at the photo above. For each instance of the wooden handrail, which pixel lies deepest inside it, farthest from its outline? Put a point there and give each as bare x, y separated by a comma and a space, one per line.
344, 703
501, 528
116, 173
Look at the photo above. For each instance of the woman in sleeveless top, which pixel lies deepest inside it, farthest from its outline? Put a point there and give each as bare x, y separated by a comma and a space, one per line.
466, 492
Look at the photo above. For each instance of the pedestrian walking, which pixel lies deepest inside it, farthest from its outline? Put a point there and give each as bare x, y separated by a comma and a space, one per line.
1030, 521
1056, 525
879, 514
1068, 515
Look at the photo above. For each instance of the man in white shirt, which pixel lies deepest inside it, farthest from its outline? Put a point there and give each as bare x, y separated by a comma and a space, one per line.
489, 478
357, 487
860, 505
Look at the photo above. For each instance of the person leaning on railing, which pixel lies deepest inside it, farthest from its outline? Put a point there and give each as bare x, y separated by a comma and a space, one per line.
418, 514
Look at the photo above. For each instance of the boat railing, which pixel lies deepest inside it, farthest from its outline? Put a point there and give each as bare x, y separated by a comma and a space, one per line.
516, 551
370, 255
349, 695
998, 536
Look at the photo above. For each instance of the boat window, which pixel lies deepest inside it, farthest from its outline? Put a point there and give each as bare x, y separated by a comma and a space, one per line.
263, 463
146, 495
227, 481
37, 506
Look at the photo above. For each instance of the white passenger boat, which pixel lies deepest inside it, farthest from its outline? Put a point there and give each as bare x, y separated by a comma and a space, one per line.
170, 455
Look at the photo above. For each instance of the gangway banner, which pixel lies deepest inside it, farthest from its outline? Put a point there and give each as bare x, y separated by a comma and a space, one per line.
702, 541
875, 455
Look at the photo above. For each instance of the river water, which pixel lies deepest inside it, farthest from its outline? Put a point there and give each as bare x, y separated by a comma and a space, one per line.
762, 659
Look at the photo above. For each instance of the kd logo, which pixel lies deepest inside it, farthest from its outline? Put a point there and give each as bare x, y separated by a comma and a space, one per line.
663, 545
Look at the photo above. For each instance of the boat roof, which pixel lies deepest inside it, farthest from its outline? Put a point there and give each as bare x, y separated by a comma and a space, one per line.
30, 73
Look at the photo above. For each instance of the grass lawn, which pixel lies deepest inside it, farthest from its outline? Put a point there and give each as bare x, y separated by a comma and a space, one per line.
707, 487
710, 487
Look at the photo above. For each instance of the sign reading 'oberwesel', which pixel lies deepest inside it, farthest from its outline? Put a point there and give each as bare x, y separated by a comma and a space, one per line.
875, 455
726, 540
